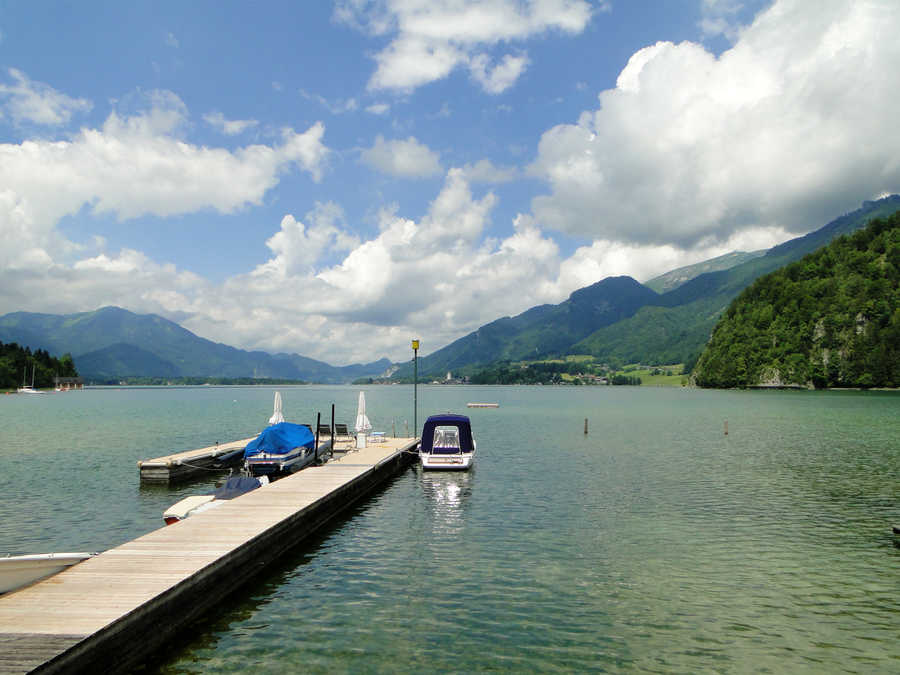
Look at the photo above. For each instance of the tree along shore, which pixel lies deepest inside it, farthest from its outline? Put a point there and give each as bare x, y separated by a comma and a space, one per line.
18, 363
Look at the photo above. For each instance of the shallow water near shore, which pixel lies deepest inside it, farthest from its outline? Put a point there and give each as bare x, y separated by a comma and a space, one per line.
653, 543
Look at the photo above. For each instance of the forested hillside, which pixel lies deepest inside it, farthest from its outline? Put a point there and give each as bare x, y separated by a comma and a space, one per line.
832, 319
16, 364
677, 330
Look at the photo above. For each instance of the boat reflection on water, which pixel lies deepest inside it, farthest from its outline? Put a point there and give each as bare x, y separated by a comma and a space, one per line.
447, 497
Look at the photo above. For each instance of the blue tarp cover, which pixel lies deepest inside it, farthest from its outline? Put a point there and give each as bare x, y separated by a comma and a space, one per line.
280, 439
461, 422
235, 486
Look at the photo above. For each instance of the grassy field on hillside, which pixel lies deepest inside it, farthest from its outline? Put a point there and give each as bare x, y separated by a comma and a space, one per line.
656, 377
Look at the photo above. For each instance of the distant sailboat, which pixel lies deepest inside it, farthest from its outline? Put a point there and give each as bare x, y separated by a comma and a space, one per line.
25, 389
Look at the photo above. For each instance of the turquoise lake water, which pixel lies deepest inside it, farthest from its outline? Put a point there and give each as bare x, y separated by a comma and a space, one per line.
656, 543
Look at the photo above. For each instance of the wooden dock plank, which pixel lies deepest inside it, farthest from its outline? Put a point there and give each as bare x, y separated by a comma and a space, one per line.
86, 610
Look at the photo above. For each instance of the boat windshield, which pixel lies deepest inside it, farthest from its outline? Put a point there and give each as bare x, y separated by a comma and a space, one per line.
446, 440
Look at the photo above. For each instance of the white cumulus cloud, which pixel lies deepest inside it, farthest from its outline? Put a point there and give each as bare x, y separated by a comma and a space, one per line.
134, 166
27, 101
500, 77
437, 277
430, 38
792, 125
485, 171
719, 17
228, 127
404, 158
378, 108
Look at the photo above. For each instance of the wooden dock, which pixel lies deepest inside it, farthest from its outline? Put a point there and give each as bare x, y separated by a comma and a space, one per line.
188, 464
112, 612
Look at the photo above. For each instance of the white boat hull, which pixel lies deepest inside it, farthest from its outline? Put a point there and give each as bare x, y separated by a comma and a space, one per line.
21, 570
264, 463
443, 462
186, 507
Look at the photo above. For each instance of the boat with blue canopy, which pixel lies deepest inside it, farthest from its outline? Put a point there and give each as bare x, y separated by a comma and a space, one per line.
447, 443
281, 448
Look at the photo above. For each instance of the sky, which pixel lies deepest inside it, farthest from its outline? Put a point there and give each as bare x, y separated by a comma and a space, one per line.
336, 178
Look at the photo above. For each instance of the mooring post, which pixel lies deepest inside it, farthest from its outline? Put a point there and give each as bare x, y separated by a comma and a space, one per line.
332, 429
585, 426
726, 427
318, 421
393, 428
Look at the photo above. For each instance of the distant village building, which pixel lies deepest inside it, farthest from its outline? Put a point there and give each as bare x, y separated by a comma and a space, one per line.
449, 379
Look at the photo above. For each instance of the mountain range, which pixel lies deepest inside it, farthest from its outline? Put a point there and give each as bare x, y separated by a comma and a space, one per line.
112, 343
619, 319
616, 320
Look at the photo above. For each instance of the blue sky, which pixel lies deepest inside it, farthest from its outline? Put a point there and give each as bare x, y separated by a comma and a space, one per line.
333, 179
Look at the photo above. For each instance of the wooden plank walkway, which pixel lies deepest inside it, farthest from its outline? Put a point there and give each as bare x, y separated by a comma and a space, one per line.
112, 611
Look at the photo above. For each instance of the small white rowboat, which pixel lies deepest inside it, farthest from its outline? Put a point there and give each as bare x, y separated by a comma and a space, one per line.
21, 570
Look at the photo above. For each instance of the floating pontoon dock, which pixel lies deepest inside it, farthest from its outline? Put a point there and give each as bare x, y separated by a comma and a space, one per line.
192, 463
111, 612
184, 465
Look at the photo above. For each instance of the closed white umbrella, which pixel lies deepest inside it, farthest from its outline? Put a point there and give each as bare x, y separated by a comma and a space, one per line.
277, 416
362, 422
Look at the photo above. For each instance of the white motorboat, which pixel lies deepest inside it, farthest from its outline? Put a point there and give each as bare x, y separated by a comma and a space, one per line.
447, 443
21, 570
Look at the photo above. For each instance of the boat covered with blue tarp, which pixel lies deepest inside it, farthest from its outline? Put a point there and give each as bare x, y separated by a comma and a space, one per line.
280, 439
280, 448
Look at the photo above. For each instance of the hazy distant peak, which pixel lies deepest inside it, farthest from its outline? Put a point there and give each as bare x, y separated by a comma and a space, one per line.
675, 278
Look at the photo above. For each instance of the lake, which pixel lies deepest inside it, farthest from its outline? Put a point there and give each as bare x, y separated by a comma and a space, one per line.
654, 543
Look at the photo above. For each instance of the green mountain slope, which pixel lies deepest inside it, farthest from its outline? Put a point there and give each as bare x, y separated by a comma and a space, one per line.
542, 330
678, 277
115, 342
678, 327
831, 319
124, 360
